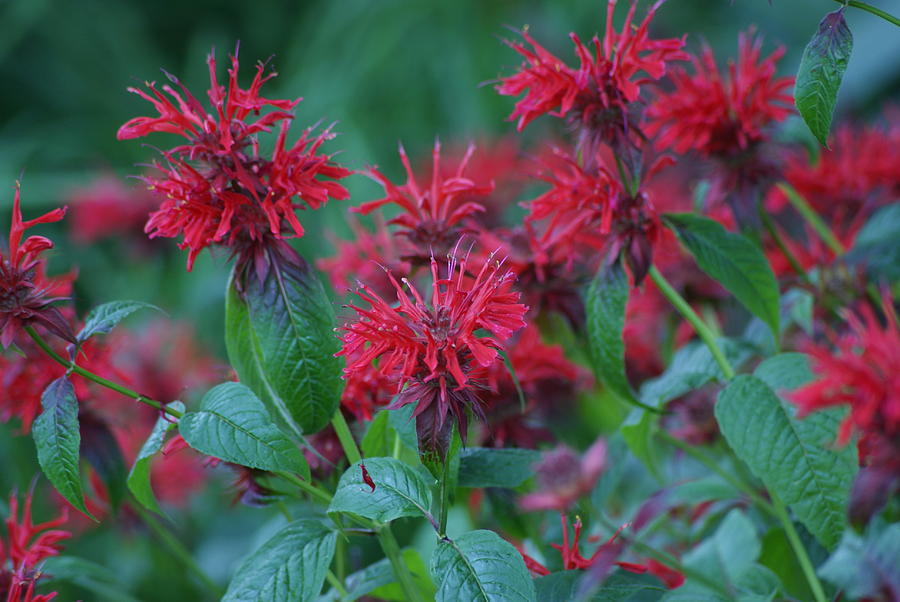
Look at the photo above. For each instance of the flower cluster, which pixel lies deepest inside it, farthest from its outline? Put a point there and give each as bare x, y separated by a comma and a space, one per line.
28, 545
597, 97
430, 348
217, 188
25, 294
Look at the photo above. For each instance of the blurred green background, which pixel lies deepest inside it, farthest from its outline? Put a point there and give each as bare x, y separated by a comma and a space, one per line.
384, 70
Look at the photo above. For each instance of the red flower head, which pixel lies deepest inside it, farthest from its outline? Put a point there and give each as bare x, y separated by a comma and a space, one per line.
563, 477
432, 218
28, 546
590, 210
863, 373
597, 96
107, 208
432, 347
856, 175
722, 115
24, 294
217, 187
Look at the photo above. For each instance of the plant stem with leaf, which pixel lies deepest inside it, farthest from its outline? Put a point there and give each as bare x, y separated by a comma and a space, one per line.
799, 550
346, 437
705, 333
871, 9
401, 571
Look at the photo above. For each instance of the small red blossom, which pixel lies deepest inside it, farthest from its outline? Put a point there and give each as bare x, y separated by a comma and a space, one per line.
859, 172
106, 208
563, 477
432, 347
596, 96
367, 389
218, 189
433, 218
366, 477
573, 559
863, 373
27, 546
588, 211
24, 296
721, 115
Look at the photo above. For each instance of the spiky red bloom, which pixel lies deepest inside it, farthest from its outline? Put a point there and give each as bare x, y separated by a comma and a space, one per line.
856, 175
217, 187
28, 546
590, 210
433, 217
597, 94
24, 293
863, 372
107, 208
573, 559
721, 115
432, 347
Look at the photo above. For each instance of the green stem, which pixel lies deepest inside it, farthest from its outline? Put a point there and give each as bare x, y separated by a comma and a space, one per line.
337, 585
346, 437
698, 455
73, 367
665, 559
799, 550
445, 496
396, 450
305, 486
178, 550
782, 246
691, 316
392, 550
813, 219
871, 9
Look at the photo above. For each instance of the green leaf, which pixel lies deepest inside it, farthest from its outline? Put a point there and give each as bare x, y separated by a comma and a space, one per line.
379, 580
402, 421
692, 367
489, 467
399, 491
479, 566
821, 71
139, 476
232, 424
620, 586
796, 459
867, 567
104, 318
290, 566
732, 260
280, 340
785, 371
58, 440
379, 437
86, 574
876, 245
605, 304
729, 553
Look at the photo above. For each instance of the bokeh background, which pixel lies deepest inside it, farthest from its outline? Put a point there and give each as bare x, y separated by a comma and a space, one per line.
384, 70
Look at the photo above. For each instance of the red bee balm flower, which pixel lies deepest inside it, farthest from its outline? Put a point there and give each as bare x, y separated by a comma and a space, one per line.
596, 95
23, 293
432, 217
431, 348
29, 544
218, 188
717, 115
